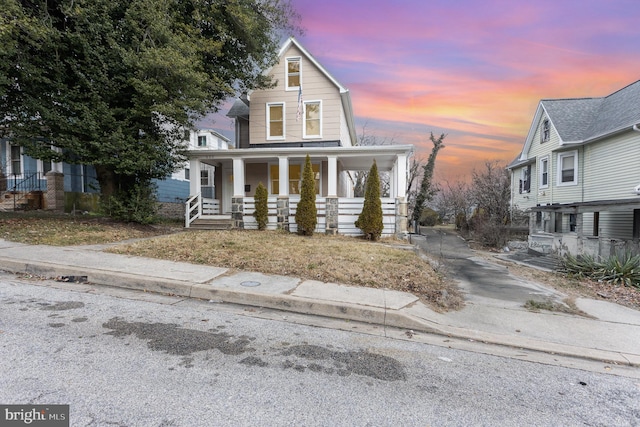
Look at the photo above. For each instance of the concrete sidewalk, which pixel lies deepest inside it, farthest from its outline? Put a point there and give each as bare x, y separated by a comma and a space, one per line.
613, 336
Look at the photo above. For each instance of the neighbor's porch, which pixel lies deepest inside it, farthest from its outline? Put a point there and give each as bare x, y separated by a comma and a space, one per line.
599, 229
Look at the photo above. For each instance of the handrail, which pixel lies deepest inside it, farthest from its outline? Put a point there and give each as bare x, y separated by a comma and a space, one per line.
190, 206
29, 182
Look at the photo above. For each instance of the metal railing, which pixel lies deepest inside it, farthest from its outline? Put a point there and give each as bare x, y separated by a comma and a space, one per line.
18, 187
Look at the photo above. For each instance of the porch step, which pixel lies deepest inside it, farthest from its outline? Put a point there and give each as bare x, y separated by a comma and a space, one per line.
212, 224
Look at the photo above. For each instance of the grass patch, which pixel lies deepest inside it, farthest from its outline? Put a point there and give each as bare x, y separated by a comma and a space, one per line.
37, 228
336, 259
568, 307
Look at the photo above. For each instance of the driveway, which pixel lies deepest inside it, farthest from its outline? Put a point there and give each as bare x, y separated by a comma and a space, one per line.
481, 281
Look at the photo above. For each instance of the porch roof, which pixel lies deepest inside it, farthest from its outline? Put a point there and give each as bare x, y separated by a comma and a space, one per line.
351, 158
594, 206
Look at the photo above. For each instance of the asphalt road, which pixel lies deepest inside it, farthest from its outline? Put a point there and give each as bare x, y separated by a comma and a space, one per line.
135, 359
479, 280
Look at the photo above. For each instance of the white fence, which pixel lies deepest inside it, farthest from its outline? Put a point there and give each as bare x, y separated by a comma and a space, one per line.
348, 211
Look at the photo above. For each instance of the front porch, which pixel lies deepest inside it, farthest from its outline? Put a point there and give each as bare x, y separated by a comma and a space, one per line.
236, 174
341, 221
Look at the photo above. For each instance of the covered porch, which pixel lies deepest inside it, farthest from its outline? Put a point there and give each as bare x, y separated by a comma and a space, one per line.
234, 175
600, 228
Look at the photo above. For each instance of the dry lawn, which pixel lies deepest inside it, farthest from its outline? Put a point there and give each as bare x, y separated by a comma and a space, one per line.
388, 264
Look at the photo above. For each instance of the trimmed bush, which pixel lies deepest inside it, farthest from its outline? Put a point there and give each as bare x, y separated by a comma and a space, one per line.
429, 217
306, 212
370, 219
261, 213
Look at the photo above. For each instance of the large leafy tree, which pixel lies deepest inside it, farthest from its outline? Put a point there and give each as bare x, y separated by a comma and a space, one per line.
115, 83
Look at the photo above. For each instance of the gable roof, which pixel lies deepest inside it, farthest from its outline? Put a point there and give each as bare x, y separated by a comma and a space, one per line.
239, 110
583, 120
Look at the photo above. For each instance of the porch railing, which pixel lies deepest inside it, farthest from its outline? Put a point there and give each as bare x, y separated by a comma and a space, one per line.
19, 186
348, 212
198, 206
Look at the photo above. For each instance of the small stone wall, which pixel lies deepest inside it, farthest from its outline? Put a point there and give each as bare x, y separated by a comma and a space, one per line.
171, 210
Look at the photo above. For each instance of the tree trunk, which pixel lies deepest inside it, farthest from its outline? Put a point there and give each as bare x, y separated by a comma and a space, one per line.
107, 180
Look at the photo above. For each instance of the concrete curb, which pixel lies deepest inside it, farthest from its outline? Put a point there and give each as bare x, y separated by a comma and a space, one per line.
308, 306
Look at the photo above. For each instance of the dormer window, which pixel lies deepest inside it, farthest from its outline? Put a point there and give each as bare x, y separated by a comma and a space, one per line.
545, 131
202, 141
293, 73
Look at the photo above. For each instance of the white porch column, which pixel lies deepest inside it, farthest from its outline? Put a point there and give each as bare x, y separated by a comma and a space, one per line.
194, 177
393, 181
400, 170
283, 178
332, 176
238, 177
400, 176
282, 204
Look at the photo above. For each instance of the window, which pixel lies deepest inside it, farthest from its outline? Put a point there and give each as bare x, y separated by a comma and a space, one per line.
187, 174
525, 182
204, 178
573, 221
293, 73
312, 119
16, 160
545, 132
568, 168
596, 223
544, 172
202, 140
275, 121
636, 223
295, 178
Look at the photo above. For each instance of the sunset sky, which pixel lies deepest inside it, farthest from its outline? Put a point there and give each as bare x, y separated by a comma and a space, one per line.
474, 70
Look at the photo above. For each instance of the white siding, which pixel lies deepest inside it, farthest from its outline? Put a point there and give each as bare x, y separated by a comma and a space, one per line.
612, 168
616, 224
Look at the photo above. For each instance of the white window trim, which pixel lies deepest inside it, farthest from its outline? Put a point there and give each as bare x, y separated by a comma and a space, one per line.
286, 72
545, 138
573, 153
284, 122
10, 160
304, 121
206, 143
541, 171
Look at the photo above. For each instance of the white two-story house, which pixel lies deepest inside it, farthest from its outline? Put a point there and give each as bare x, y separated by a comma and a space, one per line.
306, 112
579, 175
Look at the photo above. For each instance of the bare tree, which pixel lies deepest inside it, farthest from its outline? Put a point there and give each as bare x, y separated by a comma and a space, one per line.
366, 139
490, 188
454, 201
426, 191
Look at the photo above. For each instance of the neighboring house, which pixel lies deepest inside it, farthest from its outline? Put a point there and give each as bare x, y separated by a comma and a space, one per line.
307, 112
21, 174
173, 191
579, 175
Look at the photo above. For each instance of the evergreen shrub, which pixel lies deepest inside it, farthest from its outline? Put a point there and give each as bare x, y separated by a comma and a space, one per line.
306, 212
261, 213
370, 219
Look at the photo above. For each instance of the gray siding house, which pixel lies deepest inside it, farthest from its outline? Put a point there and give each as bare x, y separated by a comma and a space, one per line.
578, 175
